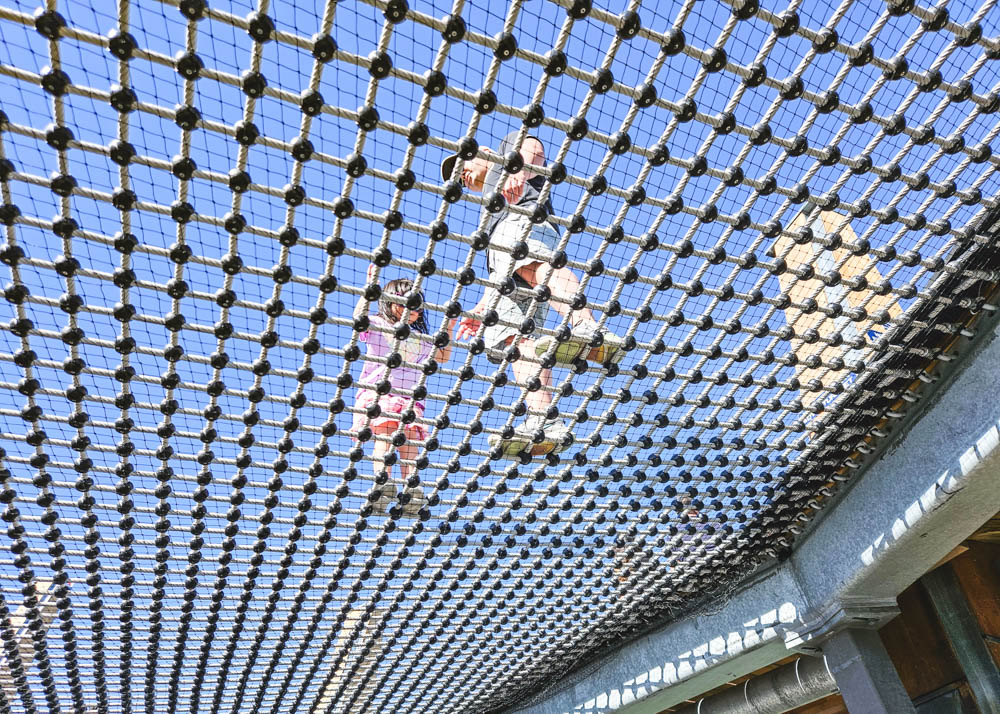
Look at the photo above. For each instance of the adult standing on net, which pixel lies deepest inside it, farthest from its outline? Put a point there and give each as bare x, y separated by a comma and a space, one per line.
542, 431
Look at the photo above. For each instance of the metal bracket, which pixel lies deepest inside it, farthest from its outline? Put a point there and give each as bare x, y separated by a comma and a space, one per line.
840, 614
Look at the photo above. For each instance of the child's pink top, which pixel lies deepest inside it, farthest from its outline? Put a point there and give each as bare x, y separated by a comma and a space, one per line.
415, 350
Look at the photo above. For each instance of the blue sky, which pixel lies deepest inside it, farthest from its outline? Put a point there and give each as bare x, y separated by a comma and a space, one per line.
160, 28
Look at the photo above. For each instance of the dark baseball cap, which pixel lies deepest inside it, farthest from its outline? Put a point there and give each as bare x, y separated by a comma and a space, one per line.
447, 166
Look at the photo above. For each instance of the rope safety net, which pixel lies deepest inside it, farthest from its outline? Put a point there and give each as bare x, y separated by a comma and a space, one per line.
773, 206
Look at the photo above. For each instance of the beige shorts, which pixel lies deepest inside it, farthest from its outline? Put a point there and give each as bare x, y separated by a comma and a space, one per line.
542, 240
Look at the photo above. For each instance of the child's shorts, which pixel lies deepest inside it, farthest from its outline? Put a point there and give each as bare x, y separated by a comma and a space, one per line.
513, 309
393, 406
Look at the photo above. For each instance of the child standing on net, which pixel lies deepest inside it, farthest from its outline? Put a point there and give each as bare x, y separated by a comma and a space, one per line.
385, 399
542, 431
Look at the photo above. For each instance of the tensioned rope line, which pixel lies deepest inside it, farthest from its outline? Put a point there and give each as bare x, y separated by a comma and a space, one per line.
783, 212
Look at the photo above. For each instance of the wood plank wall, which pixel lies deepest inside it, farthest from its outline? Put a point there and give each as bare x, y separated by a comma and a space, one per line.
915, 639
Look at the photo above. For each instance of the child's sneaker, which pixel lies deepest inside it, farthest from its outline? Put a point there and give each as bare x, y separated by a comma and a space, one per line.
564, 353
415, 500
387, 494
578, 346
610, 350
555, 438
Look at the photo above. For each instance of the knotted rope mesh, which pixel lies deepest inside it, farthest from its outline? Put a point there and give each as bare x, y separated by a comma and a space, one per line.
782, 209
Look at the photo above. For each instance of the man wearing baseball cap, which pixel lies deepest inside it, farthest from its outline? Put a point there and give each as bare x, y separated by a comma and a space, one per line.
506, 229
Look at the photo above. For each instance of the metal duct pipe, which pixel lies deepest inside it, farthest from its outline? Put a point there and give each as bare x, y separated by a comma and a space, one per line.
792, 685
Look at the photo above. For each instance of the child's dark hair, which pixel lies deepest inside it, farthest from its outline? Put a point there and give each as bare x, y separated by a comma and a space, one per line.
401, 287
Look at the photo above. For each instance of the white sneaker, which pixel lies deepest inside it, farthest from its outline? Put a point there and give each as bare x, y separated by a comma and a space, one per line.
388, 495
578, 345
556, 437
417, 500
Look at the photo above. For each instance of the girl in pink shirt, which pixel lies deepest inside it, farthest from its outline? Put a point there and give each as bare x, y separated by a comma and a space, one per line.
396, 406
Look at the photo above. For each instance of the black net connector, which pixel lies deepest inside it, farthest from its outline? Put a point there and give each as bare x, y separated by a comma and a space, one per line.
863, 54
468, 147
367, 117
232, 264
603, 81
506, 46
896, 124
183, 167
555, 63
123, 199
260, 27
495, 202
578, 129
645, 95
404, 179
923, 135
62, 184
301, 149
438, 230
121, 44
513, 161
787, 25
629, 25
49, 23
673, 41
658, 155
234, 223
454, 29
534, 115
181, 211
239, 181
969, 35
620, 143
579, 9
960, 91
324, 47
187, 117
714, 60
393, 221
123, 99
193, 9
343, 207
395, 11
435, 82
189, 65
486, 101
55, 81
253, 84
382, 257
596, 185
826, 40
745, 9
686, 110
294, 194
417, 133
356, 165
733, 176
379, 64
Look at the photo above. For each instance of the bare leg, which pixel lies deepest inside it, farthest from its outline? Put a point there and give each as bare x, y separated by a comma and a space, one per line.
537, 401
562, 282
415, 499
408, 452
381, 448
